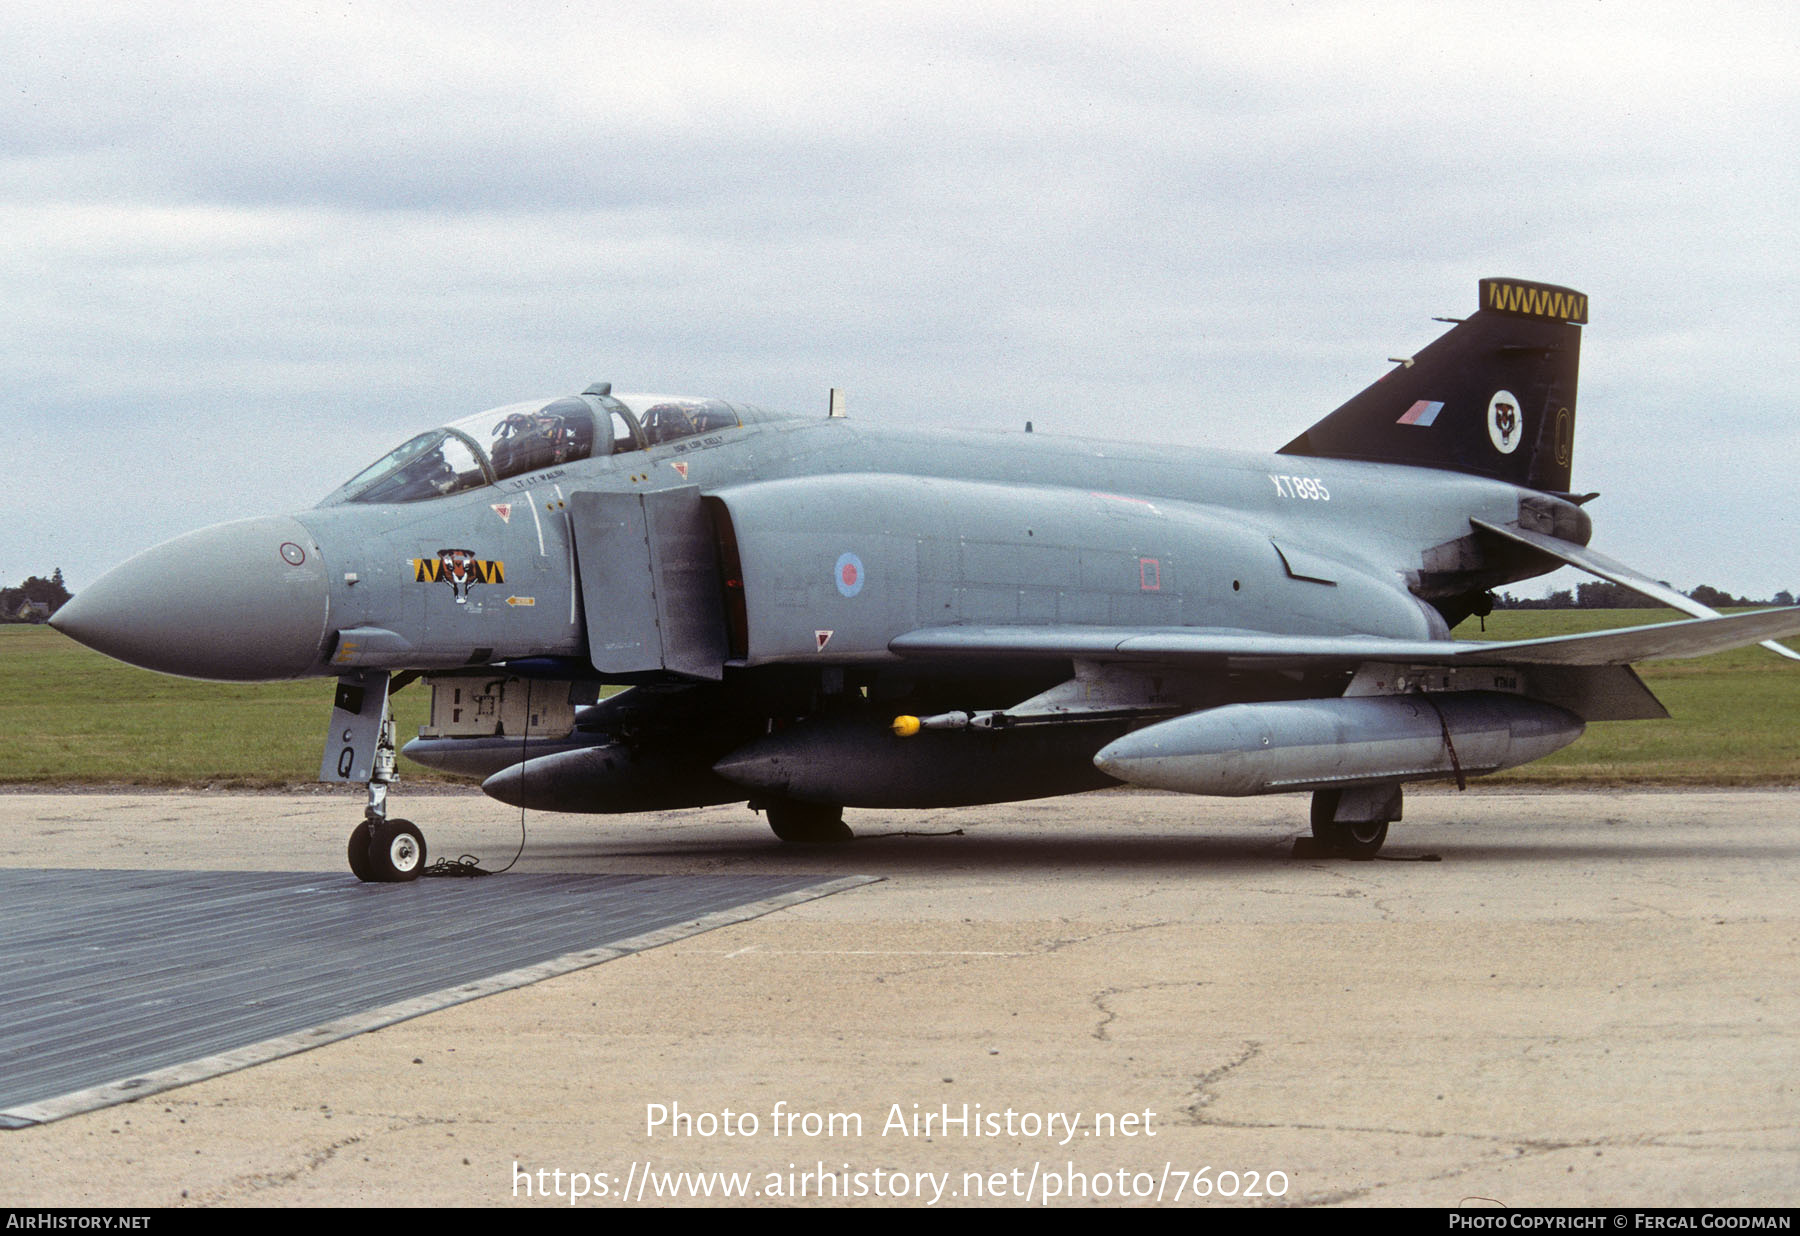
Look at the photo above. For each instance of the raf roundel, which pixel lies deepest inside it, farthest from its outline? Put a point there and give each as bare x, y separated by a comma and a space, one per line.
849, 576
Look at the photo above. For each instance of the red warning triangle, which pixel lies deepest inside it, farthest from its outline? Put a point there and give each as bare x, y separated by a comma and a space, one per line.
824, 638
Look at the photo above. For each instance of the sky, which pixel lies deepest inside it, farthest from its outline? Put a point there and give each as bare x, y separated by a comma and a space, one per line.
245, 249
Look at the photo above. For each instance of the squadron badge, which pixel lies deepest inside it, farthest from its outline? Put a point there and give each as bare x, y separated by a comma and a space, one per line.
459, 568
1505, 426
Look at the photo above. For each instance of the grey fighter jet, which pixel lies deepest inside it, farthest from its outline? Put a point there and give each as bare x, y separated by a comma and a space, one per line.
811, 613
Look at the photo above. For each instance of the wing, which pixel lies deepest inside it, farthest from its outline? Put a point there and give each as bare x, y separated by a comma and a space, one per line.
1252, 650
1589, 675
1594, 563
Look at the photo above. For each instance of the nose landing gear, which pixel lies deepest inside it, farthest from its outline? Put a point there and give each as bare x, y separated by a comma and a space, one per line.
384, 851
359, 746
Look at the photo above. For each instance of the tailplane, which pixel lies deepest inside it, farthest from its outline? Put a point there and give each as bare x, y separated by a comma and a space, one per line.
1493, 396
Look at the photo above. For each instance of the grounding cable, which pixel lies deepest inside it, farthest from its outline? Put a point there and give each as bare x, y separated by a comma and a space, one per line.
468, 864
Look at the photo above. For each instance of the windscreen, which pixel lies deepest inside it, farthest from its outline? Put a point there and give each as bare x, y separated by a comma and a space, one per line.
438, 462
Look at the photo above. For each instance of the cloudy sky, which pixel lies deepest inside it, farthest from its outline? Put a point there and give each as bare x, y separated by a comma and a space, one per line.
247, 248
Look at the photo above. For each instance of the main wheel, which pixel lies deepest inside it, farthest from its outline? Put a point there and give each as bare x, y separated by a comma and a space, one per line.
360, 864
807, 822
1360, 840
396, 851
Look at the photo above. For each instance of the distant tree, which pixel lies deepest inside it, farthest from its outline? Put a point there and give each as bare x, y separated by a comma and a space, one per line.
1710, 596
50, 592
1556, 600
1599, 595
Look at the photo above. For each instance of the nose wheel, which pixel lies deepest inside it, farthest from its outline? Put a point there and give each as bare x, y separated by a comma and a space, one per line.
387, 851
362, 866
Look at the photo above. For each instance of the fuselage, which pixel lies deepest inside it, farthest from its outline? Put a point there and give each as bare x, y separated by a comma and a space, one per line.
1119, 532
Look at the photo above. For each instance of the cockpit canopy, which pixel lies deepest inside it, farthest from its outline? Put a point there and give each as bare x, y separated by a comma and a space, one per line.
525, 437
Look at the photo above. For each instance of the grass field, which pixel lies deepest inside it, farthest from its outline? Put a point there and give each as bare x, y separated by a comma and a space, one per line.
75, 717
1734, 717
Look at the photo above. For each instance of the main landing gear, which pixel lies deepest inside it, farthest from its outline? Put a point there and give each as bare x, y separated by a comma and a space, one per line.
797, 822
1354, 823
384, 851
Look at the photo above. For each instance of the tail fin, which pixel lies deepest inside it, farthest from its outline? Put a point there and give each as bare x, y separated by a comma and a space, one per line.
1494, 396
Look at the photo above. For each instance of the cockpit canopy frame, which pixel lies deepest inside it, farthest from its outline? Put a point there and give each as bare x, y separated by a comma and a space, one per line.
520, 438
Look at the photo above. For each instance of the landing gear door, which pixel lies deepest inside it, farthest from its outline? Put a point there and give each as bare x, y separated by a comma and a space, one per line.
357, 712
650, 582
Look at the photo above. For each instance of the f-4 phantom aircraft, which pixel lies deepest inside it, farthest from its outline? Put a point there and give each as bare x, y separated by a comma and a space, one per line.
811, 613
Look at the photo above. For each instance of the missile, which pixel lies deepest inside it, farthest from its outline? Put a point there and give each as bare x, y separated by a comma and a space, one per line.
1272, 748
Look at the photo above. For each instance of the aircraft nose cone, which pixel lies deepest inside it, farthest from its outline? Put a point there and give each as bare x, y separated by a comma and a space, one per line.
243, 601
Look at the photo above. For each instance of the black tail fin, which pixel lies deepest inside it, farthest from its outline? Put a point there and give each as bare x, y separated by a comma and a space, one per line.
1494, 396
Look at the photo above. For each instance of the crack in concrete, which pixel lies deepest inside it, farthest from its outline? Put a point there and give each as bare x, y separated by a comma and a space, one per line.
1525, 1149
1356, 890
1041, 948
1048, 947
1202, 1097
1495, 1147
315, 1159
1099, 998
1321, 894
263, 1181
1648, 908
1672, 1140
1107, 1015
